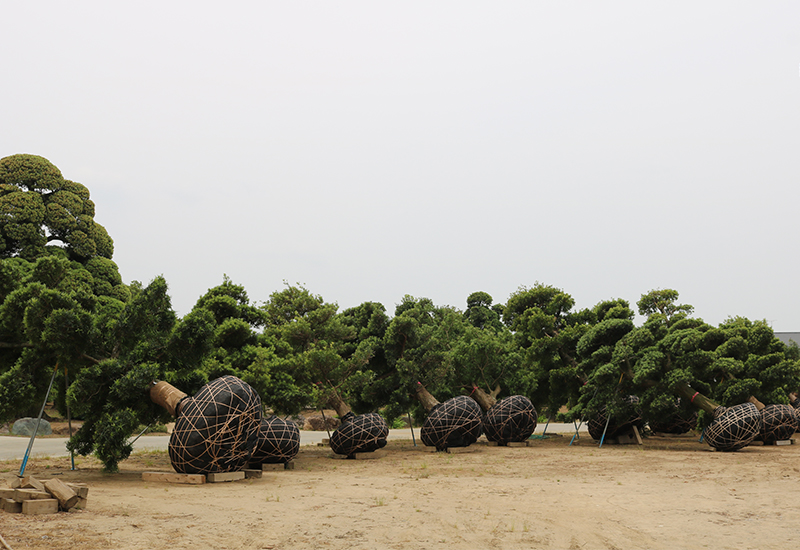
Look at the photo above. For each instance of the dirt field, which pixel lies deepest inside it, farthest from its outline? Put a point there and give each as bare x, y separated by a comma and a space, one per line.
674, 494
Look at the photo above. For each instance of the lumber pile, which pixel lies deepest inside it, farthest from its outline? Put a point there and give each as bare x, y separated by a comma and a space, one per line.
31, 496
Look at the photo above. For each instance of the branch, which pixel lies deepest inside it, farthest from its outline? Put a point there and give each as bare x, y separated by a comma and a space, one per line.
9, 345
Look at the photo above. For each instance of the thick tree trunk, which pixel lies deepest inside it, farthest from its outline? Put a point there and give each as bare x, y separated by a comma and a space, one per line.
759, 405
428, 401
485, 400
168, 396
337, 404
696, 398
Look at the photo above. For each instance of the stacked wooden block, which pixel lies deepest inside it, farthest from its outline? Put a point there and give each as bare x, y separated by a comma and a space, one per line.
31, 496
199, 479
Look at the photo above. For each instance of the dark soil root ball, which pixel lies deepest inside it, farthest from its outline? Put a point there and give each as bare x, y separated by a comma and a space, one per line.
217, 429
616, 426
364, 433
779, 422
512, 418
733, 428
278, 442
454, 423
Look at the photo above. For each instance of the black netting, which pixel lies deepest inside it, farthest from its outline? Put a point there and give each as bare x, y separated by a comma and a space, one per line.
364, 433
616, 426
454, 423
778, 423
733, 428
512, 418
217, 429
278, 442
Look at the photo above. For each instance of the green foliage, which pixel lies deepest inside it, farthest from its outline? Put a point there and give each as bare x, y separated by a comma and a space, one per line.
39, 206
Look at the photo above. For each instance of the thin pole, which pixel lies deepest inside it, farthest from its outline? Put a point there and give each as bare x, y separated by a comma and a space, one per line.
411, 425
325, 421
38, 421
577, 428
546, 424
141, 433
69, 416
608, 419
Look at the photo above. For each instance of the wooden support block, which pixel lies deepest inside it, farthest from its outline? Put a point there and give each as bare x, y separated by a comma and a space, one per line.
7, 493
168, 477
625, 439
30, 494
30, 482
67, 498
427, 449
36, 507
370, 456
222, 477
82, 502
460, 450
252, 474
785, 442
492, 443
11, 506
289, 465
517, 444
81, 489
16, 482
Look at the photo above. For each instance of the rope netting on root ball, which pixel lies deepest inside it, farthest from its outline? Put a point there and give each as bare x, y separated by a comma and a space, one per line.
278, 442
778, 423
513, 418
217, 429
454, 423
616, 426
364, 433
733, 428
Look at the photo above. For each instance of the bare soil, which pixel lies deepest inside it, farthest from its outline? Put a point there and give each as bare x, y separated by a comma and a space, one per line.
675, 493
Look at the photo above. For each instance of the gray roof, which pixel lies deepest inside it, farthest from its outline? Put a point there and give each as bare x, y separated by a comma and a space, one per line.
787, 337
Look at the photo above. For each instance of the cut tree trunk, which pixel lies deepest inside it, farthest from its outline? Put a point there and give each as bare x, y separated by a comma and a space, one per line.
485, 400
337, 404
426, 398
168, 396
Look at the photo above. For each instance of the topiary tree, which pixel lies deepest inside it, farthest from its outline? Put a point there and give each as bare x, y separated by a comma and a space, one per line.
39, 207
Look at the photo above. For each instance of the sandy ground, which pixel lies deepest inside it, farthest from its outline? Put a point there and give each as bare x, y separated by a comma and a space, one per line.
674, 493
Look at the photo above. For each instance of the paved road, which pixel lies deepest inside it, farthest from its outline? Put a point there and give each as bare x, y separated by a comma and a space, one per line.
13, 447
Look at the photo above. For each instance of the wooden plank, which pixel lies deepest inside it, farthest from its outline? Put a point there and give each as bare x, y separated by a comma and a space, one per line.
15, 483
460, 450
11, 506
289, 465
223, 477
785, 442
81, 489
30, 494
273, 467
7, 493
517, 444
252, 474
67, 498
30, 482
82, 502
36, 507
638, 436
169, 477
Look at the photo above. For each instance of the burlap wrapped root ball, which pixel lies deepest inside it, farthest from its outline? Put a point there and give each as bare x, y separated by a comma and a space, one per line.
217, 429
513, 418
733, 428
455, 423
278, 442
778, 423
363, 433
616, 426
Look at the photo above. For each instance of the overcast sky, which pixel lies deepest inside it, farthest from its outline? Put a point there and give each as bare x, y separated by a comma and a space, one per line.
370, 150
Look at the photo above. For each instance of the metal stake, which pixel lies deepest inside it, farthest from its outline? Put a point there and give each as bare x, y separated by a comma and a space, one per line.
38, 421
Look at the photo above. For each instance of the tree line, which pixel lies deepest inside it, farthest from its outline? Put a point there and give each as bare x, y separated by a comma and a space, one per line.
65, 310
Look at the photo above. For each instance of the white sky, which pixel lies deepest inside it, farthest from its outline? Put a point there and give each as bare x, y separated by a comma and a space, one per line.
370, 150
